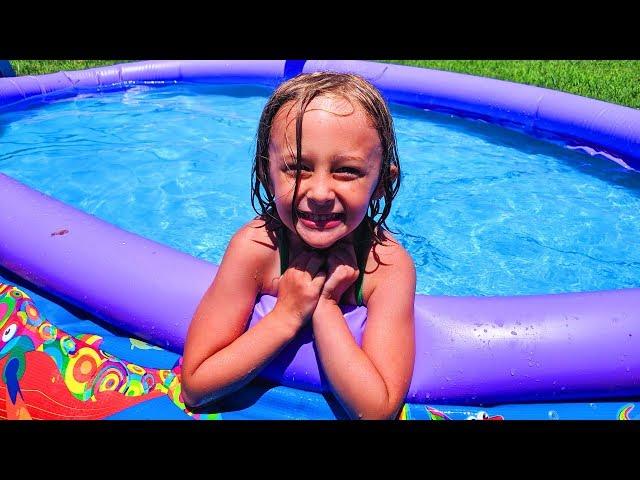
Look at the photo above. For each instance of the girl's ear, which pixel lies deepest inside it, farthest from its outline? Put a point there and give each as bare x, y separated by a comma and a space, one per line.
393, 174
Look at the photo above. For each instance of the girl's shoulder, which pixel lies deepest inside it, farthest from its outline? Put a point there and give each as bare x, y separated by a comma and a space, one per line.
258, 246
387, 263
255, 240
390, 249
389, 254
255, 233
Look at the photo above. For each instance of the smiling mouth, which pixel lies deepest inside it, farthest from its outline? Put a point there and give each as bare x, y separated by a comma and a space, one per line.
323, 217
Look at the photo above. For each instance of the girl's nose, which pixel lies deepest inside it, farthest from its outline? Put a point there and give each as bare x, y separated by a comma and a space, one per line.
320, 190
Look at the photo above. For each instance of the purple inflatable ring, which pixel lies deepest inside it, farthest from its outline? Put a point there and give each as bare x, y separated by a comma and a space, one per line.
469, 350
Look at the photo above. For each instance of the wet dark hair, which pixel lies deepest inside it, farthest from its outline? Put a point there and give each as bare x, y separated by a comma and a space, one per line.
301, 90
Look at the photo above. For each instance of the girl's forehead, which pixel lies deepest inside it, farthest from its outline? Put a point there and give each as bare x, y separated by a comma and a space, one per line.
338, 105
330, 108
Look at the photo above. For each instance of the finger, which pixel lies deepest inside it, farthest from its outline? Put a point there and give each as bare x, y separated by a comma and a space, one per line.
319, 279
275, 284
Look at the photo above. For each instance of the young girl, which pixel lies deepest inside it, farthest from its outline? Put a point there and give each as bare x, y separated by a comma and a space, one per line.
326, 156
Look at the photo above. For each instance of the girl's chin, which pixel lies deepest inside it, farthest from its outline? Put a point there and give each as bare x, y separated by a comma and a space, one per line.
321, 239
320, 246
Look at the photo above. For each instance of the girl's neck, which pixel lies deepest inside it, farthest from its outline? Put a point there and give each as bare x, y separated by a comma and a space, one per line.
296, 245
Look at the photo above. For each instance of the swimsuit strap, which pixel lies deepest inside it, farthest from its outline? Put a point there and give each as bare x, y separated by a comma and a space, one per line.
362, 253
361, 247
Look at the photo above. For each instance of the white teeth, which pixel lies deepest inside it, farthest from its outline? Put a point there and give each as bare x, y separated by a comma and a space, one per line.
319, 218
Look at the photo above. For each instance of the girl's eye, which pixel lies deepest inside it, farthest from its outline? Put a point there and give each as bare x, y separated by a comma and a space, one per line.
348, 171
290, 168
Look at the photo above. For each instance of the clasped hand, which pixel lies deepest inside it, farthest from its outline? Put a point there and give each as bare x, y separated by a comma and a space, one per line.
314, 277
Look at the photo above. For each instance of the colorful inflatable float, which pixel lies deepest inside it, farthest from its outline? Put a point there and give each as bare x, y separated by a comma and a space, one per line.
546, 356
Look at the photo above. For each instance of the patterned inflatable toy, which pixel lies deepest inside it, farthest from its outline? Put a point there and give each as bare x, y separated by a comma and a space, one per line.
49, 374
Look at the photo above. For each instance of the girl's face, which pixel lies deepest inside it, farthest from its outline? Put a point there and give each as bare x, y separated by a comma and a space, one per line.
340, 165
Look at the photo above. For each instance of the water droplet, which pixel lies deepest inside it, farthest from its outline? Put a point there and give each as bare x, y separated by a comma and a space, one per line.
512, 371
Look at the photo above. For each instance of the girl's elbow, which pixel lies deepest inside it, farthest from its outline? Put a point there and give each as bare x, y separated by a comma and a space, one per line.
195, 396
382, 415
188, 396
189, 401
376, 415
379, 412
191, 395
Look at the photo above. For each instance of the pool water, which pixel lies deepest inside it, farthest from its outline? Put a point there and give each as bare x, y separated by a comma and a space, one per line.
483, 210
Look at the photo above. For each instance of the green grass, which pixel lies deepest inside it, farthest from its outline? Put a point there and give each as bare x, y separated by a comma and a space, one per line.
40, 67
616, 81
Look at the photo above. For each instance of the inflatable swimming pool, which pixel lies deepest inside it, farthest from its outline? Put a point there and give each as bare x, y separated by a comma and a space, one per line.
470, 351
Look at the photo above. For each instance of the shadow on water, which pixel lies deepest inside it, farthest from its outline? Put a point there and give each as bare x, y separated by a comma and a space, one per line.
249, 395
596, 166
244, 398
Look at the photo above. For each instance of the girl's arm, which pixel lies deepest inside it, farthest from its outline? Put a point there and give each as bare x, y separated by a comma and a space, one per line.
219, 355
370, 382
